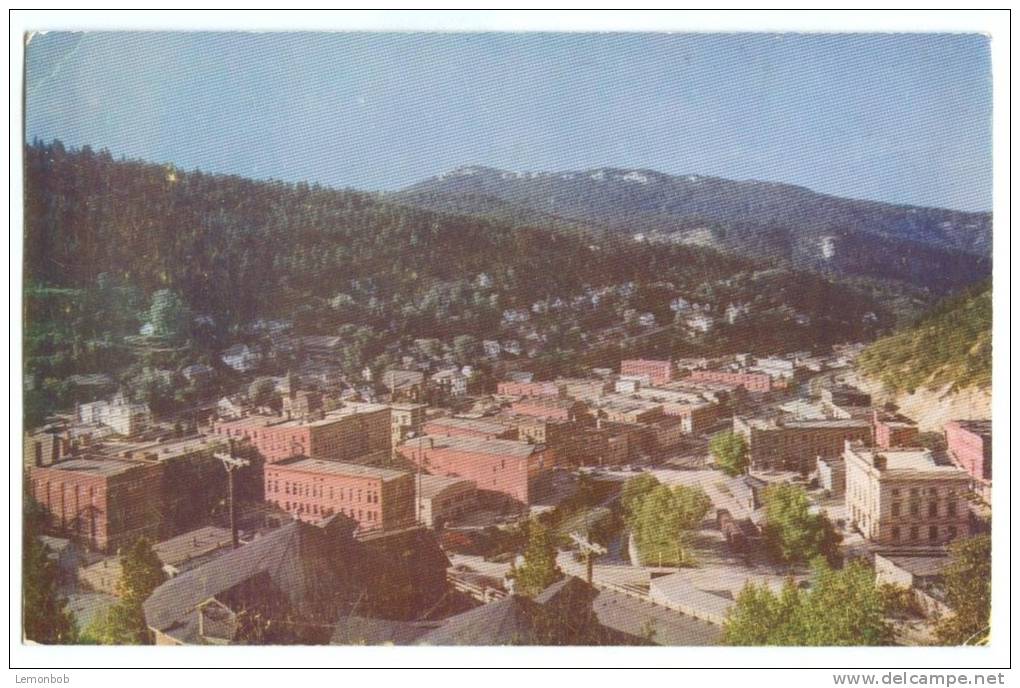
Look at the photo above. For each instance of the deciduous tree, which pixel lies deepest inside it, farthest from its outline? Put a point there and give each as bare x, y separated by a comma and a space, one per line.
729, 449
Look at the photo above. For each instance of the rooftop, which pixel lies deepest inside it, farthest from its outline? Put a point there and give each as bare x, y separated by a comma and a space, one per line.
978, 427
921, 565
910, 460
478, 445
192, 544
338, 468
105, 468
470, 424
432, 485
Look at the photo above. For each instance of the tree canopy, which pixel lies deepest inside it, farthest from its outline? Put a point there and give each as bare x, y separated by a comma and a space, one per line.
539, 569
968, 585
842, 608
792, 533
729, 449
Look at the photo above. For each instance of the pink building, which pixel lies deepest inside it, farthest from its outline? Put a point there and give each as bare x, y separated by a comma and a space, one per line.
346, 434
107, 503
554, 409
894, 432
752, 382
659, 372
528, 389
468, 427
970, 444
510, 470
313, 489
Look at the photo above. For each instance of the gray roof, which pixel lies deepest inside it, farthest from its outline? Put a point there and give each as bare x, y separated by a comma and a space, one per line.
296, 557
195, 543
560, 615
482, 426
636, 618
923, 566
339, 468
479, 445
360, 630
102, 467
432, 485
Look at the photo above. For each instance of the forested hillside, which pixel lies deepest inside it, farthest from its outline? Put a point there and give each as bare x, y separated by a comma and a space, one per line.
115, 246
937, 249
950, 345
238, 249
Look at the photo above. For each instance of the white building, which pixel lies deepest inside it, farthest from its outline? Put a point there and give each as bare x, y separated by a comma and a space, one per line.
905, 496
452, 381
119, 413
491, 348
241, 358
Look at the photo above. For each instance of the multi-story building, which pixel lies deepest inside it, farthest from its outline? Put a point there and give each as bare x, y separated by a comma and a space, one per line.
905, 496
584, 389
508, 470
451, 382
752, 382
468, 427
558, 409
658, 372
405, 420
405, 385
355, 432
510, 388
193, 481
107, 503
124, 416
301, 403
893, 431
563, 437
313, 489
797, 445
625, 410
970, 445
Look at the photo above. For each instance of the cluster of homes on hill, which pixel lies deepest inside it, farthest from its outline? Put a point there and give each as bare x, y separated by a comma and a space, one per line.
346, 500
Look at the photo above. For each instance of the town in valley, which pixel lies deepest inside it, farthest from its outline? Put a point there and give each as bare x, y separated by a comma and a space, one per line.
592, 405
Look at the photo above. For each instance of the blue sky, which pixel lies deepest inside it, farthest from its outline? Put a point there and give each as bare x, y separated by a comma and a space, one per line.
903, 118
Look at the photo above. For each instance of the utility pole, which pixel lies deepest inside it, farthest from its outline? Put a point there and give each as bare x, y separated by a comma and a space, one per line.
231, 464
421, 463
590, 549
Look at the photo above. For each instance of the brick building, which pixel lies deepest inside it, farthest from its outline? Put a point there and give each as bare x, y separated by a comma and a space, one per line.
892, 431
625, 410
563, 437
584, 389
752, 382
510, 471
905, 496
970, 445
658, 372
313, 489
796, 445
106, 503
528, 389
558, 409
468, 427
353, 432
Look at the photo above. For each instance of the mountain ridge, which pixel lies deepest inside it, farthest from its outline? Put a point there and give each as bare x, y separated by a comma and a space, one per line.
939, 249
